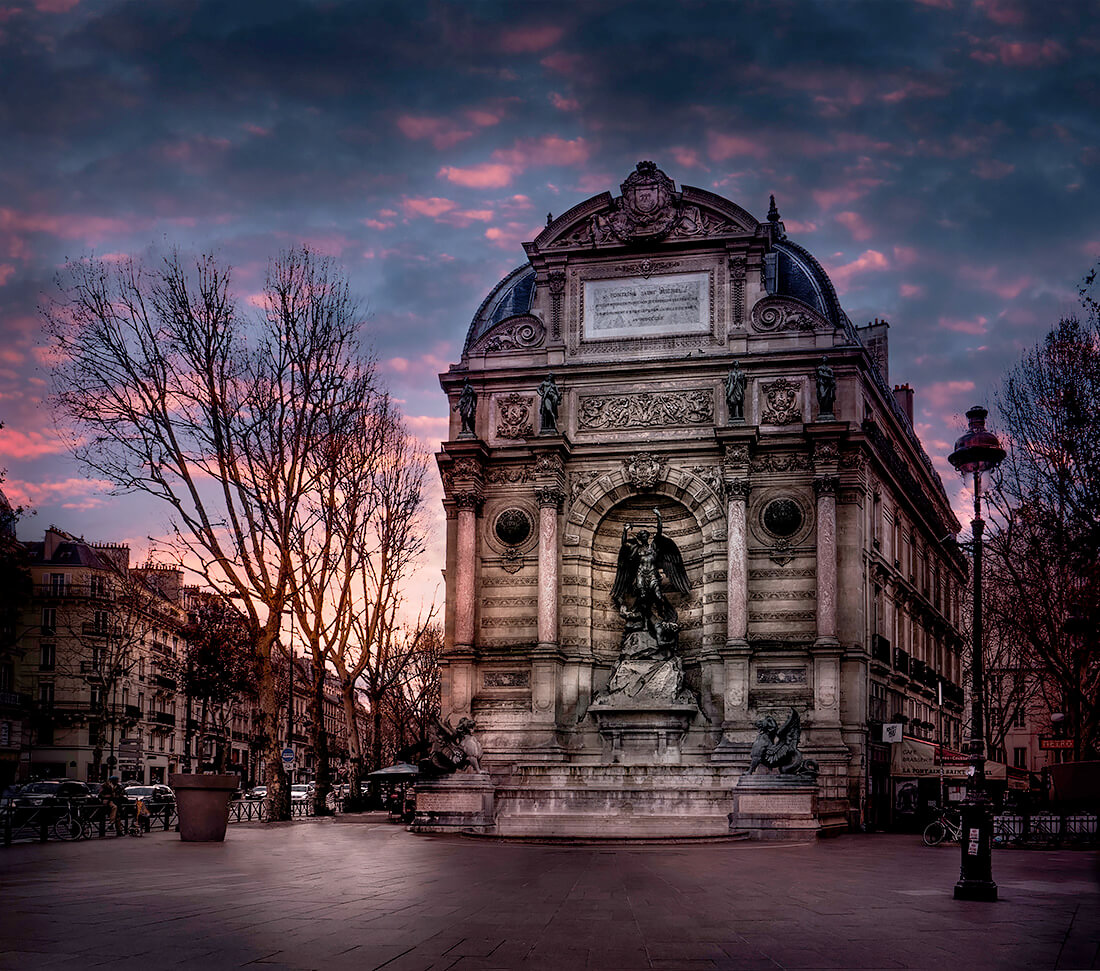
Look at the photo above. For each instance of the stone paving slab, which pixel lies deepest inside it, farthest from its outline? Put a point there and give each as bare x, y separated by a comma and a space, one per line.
321, 895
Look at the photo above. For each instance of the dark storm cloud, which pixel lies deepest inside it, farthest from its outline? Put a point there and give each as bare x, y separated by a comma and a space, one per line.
940, 158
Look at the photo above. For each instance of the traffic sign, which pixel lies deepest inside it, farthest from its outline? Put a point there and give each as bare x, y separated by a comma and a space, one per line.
288, 754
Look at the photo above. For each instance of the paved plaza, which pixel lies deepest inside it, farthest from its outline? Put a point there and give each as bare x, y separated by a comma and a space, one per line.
325, 894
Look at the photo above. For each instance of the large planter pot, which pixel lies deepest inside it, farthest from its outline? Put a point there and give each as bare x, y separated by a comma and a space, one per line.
202, 802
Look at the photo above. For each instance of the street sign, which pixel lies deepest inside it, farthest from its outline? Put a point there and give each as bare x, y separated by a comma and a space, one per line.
891, 732
288, 754
1050, 742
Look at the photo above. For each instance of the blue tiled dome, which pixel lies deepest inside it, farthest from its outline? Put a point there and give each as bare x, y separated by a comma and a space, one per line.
509, 298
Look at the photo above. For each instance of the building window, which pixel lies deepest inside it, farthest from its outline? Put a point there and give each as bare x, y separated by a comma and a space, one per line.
45, 694
49, 620
7, 676
99, 621
96, 697
1019, 758
47, 657
1019, 717
97, 586
57, 584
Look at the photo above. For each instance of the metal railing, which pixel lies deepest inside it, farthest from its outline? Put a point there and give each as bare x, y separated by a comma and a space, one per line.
30, 824
1046, 829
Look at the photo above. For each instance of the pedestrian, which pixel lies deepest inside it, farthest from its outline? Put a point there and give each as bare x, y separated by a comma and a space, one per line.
113, 796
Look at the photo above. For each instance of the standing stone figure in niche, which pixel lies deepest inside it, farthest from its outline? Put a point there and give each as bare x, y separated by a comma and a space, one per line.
467, 410
550, 398
826, 389
735, 393
642, 559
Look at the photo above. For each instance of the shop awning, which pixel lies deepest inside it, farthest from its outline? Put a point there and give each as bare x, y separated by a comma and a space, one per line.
402, 770
913, 758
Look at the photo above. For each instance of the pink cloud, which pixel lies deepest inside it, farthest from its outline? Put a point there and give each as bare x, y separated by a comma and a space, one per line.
870, 261
911, 290
798, 226
939, 4
991, 168
15, 444
988, 278
55, 6
571, 65
562, 103
23, 493
528, 40
913, 89
687, 158
1020, 53
377, 224
11, 356
258, 130
1001, 12
905, 255
512, 235
975, 326
432, 207
486, 175
721, 147
68, 226
854, 223
944, 394
6, 270
442, 132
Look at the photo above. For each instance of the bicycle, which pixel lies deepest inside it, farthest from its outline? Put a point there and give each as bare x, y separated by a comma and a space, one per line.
946, 828
72, 825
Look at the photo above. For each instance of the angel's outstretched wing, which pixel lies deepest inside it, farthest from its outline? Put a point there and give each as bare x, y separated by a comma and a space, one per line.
791, 732
672, 563
625, 571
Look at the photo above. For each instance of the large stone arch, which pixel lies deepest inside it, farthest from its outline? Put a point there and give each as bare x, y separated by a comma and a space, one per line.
585, 568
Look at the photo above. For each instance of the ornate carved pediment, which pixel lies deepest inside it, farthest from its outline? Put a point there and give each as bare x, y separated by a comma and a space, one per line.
513, 334
657, 408
648, 211
774, 315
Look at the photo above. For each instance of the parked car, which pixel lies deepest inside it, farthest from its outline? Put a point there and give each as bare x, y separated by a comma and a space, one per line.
51, 792
301, 792
155, 796
260, 792
93, 790
7, 797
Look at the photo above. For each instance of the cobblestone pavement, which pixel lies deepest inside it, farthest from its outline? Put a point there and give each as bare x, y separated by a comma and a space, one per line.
318, 894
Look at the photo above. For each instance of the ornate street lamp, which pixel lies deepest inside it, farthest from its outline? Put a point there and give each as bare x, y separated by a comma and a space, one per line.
976, 452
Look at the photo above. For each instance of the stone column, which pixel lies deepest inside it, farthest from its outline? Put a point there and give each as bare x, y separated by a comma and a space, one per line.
825, 490
737, 562
465, 568
550, 500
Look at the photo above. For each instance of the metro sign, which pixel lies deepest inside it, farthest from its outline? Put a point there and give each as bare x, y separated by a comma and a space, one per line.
1050, 742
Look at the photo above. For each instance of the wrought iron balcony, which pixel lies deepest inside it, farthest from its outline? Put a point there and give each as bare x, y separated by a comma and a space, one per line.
164, 718
901, 661
880, 648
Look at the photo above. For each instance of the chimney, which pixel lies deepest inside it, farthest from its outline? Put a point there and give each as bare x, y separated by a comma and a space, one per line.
873, 336
903, 395
54, 538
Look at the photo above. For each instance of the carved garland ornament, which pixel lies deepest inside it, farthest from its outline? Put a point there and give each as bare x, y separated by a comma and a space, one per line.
516, 335
647, 410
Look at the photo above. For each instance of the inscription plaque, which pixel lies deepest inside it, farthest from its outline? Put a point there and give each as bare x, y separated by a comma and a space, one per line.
506, 679
676, 303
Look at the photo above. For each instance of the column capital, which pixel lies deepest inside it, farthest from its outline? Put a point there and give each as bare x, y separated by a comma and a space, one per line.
467, 499
825, 485
737, 488
550, 496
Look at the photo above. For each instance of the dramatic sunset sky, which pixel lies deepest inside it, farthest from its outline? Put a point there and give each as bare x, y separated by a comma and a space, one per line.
941, 158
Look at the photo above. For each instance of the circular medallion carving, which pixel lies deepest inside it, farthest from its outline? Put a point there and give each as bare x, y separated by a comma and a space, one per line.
782, 517
513, 527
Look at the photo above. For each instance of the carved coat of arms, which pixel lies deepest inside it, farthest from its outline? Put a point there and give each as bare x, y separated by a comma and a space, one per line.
644, 470
514, 411
649, 206
781, 405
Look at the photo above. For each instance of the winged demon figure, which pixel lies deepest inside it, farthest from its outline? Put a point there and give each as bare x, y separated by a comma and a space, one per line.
637, 591
777, 748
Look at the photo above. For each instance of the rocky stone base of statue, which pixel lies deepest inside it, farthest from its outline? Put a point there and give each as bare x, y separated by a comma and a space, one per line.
616, 801
645, 675
776, 807
459, 803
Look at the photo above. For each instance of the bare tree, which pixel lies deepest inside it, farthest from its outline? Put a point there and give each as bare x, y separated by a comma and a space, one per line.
174, 392
359, 540
414, 707
1045, 506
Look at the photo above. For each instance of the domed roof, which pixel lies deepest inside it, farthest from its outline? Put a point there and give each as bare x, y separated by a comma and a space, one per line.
800, 276
510, 298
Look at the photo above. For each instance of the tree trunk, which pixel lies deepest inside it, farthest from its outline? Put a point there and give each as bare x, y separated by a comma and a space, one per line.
319, 738
376, 732
355, 747
278, 789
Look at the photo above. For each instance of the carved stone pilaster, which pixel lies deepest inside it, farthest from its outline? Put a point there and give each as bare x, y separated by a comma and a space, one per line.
556, 281
737, 287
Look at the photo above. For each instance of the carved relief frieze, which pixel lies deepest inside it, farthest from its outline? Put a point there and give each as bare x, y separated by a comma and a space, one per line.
782, 405
509, 474
506, 679
514, 413
644, 471
781, 676
825, 453
509, 601
511, 335
781, 462
736, 457
768, 573
737, 268
783, 616
549, 463
646, 268
656, 408
854, 461
557, 290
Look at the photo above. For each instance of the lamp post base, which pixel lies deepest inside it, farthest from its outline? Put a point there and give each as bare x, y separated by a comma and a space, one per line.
976, 874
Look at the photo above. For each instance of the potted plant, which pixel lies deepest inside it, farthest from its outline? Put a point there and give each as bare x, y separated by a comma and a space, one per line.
202, 802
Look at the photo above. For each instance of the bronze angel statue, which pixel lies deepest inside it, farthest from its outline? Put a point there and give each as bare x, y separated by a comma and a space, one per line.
637, 592
777, 748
